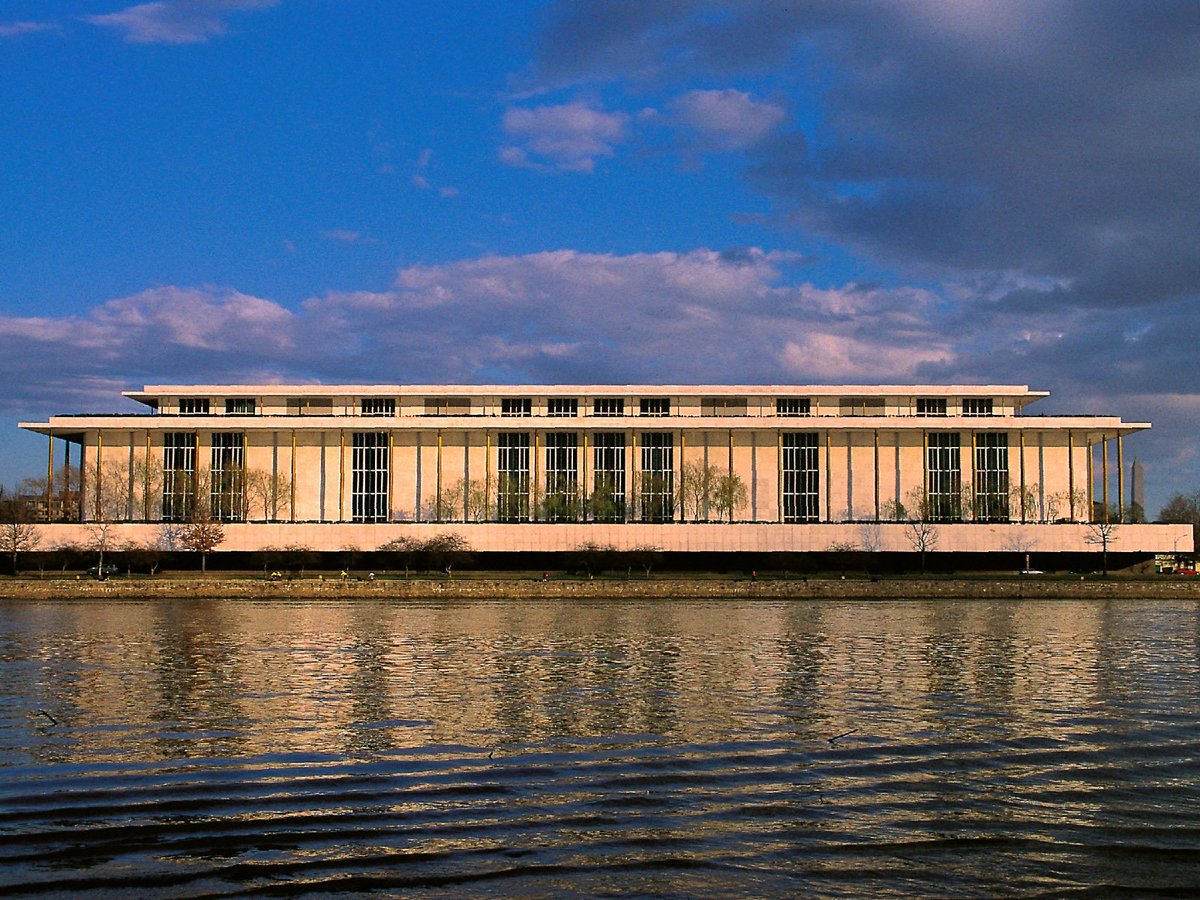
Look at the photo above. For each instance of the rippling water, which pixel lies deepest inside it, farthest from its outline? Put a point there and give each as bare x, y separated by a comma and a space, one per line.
681, 749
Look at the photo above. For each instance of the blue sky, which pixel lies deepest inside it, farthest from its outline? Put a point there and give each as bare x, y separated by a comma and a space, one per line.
603, 191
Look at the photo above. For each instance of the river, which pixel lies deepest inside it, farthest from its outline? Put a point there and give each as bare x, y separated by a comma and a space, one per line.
180, 748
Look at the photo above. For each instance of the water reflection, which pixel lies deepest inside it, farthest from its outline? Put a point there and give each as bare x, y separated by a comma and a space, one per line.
205, 678
666, 747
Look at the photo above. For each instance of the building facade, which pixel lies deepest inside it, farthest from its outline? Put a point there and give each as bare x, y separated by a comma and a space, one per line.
767, 467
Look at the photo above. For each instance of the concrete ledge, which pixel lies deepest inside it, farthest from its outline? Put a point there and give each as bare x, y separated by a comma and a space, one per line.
1166, 588
714, 537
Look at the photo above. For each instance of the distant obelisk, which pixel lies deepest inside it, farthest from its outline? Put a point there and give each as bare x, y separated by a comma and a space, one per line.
1138, 479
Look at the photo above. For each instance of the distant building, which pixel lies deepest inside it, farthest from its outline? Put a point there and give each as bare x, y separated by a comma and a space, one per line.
783, 467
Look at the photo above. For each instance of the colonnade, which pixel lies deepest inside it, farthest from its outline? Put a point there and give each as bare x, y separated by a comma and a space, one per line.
91, 470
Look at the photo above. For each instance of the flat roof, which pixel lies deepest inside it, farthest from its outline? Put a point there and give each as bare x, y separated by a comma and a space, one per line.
151, 391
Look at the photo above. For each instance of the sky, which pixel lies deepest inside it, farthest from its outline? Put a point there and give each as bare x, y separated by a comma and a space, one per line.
604, 191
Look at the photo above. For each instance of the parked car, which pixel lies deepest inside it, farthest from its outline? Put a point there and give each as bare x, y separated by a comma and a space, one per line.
97, 571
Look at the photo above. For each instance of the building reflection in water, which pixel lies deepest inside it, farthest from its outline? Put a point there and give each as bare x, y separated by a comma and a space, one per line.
193, 678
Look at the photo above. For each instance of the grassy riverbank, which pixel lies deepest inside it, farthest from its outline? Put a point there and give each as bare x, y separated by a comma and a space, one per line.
521, 586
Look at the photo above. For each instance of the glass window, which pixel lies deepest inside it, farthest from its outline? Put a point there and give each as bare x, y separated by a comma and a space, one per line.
310, 406
655, 406
943, 468
561, 500
608, 406
179, 475
562, 407
512, 476
657, 494
801, 477
239, 406
227, 491
447, 406
861, 406
516, 406
793, 406
931, 406
608, 469
369, 476
991, 476
194, 406
378, 406
723, 406
977, 406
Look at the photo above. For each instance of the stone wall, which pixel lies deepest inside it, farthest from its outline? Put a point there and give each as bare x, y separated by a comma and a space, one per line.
696, 538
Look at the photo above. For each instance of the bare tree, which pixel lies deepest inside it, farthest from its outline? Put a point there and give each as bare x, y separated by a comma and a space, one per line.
1102, 534
17, 534
606, 503
267, 493
1071, 505
1021, 542
729, 494
697, 489
441, 551
202, 535
921, 530
461, 501
1023, 503
870, 537
101, 535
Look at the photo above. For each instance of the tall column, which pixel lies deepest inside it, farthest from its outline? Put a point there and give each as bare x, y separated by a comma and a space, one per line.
99, 454
1071, 474
83, 479
437, 500
146, 479
754, 476
779, 472
1089, 513
534, 485
1042, 475
292, 497
342, 475
899, 483
274, 476
1024, 512
922, 513
466, 476
1104, 475
417, 480
678, 513
631, 469
321, 493
391, 472
1120, 480
875, 467
583, 480
828, 479
196, 472
129, 476
49, 476
66, 491
849, 476
973, 467
487, 474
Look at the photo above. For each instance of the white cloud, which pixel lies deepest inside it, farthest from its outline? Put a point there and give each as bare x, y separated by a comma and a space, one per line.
175, 21
343, 236
726, 119
15, 29
569, 137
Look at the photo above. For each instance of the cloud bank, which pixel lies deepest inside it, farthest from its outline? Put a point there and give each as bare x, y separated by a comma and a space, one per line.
176, 21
